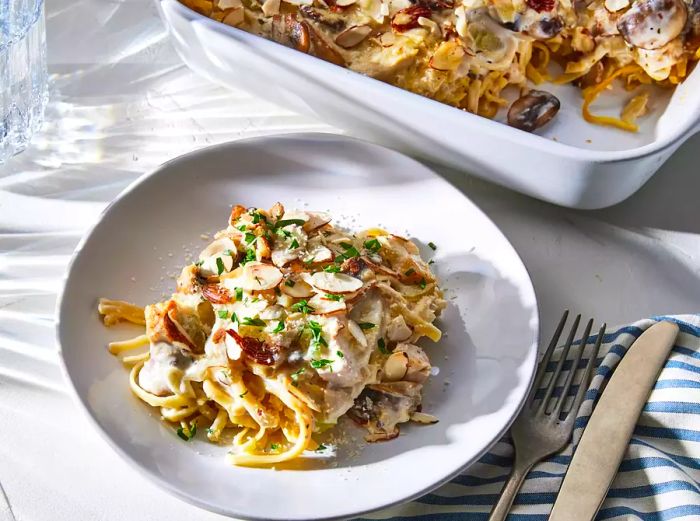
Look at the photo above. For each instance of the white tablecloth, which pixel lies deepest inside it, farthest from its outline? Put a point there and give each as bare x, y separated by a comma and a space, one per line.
121, 104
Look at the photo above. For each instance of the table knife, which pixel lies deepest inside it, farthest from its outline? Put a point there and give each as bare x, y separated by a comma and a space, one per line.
610, 427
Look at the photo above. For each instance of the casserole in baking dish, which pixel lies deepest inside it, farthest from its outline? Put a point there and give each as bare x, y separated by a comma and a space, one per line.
577, 164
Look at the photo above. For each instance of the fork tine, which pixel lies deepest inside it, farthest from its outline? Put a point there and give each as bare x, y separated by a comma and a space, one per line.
574, 369
583, 387
557, 371
546, 358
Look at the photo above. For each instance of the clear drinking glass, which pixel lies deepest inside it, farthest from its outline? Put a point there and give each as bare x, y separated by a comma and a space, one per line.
23, 76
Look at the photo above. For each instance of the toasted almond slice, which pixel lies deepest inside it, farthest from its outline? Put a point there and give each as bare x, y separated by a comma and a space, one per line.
229, 4
254, 276
210, 265
234, 17
422, 417
447, 57
233, 350
324, 306
318, 253
357, 333
395, 366
271, 8
299, 289
217, 247
344, 3
316, 220
335, 282
353, 35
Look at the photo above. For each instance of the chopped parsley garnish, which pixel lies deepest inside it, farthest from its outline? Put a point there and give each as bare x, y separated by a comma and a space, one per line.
335, 298
289, 283
302, 306
422, 284
220, 265
295, 376
188, 434
247, 321
430, 262
249, 256
279, 327
239, 293
382, 346
249, 237
432, 246
373, 245
321, 447
257, 217
310, 260
223, 313
350, 252
199, 263
366, 325
317, 339
286, 222
331, 269
274, 446
409, 272
242, 395
234, 318
320, 363
340, 354
294, 244
242, 227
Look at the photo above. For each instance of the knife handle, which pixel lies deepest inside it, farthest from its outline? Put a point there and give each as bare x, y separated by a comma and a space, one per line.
610, 427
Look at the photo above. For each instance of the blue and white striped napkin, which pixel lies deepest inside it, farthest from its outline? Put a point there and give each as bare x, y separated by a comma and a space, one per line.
659, 478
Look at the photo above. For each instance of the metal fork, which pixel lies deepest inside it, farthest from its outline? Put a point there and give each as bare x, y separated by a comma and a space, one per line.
544, 428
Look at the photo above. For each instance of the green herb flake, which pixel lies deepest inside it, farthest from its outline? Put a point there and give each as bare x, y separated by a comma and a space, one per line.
294, 244
335, 298
242, 395
249, 237
220, 265
199, 263
366, 325
303, 307
249, 256
320, 363
431, 262
295, 376
331, 269
239, 293
242, 227
188, 434
310, 260
287, 222
274, 446
256, 322
382, 346
321, 448
289, 283
279, 327
340, 354
234, 318
373, 245
432, 246
422, 284
409, 272
317, 340
223, 313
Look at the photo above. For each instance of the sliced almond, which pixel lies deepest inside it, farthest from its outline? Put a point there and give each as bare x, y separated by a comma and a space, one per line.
431, 25
318, 253
353, 36
235, 17
254, 276
447, 57
296, 288
316, 220
217, 247
357, 333
210, 265
387, 39
395, 366
344, 3
233, 350
335, 282
422, 417
324, 306
271, 8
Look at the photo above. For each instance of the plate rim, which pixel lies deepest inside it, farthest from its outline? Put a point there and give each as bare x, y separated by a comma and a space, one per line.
173, 490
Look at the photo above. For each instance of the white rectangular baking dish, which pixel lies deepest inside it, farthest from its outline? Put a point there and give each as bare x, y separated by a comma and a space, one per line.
570, 162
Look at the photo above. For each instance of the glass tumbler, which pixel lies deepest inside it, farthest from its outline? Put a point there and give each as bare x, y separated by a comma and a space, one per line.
23, 75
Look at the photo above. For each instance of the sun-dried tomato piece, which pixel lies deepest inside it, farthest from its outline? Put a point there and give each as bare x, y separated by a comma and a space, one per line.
407, 18
255, 349
173, 331
215, 294
541, 5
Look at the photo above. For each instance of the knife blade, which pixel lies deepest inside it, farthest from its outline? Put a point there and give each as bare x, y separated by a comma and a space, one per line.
610, 427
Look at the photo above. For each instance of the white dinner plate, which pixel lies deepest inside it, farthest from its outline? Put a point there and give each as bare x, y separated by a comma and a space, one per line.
486, 359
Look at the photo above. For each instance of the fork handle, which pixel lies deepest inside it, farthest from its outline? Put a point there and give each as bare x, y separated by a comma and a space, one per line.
500, 510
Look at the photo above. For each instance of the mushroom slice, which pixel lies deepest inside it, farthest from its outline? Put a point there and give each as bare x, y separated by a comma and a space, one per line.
353, 36
296, 288
254, 276
533, 110
335, 282
380, 408
326, 306
651, 24
316, 220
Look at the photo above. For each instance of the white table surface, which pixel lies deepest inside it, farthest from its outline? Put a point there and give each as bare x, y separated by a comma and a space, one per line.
121, 104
